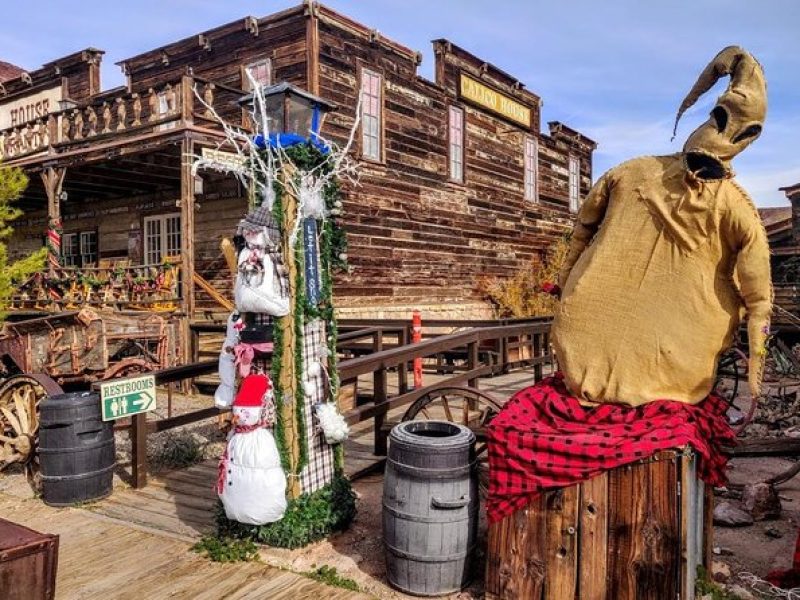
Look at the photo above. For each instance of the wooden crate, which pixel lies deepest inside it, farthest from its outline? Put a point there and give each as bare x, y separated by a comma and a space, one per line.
634, 533
28, 562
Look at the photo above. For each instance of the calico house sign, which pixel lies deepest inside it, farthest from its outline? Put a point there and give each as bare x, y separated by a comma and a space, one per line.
489, 98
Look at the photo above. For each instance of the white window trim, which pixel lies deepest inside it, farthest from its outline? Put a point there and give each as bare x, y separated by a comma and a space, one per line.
455, 167
574, 182
531, 176
378, 134
163, 243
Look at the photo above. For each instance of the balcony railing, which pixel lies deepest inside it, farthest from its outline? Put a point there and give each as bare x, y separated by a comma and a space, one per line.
117, 287
122, 114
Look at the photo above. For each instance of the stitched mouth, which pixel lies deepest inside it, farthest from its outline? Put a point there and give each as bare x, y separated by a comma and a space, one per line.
705, 166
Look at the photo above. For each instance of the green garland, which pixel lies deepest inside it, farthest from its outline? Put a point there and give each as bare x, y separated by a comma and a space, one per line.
308, 518
332, 248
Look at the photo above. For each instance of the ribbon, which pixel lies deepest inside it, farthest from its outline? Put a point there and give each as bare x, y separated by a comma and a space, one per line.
245, 353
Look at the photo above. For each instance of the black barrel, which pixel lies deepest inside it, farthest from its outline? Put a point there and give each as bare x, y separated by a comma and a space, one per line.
76, 449
430, 507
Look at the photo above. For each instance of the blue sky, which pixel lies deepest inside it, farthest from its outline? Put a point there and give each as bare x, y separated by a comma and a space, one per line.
614, 69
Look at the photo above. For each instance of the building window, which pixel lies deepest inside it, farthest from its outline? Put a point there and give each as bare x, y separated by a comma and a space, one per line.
162, 238
456, 129
370, 115
70, 251
88, 248
531, 168
260, 71
79, 249
574, 184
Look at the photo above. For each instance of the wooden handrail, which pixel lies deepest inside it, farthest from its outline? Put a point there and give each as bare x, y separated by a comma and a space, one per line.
378, 363
387, 359
209, 289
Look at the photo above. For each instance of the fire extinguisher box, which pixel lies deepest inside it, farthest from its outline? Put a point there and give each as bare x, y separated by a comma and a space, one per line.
28, 563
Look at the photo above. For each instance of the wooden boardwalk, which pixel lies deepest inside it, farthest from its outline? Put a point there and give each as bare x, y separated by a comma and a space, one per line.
181, 502
105, 559
135, 544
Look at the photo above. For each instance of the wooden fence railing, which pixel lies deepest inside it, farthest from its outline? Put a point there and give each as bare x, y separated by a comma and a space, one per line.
480, 362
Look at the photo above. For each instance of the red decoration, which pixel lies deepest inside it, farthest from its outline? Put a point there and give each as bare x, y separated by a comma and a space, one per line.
551, 288
544, 438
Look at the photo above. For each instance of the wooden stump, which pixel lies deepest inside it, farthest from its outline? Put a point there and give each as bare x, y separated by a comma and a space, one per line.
636, 532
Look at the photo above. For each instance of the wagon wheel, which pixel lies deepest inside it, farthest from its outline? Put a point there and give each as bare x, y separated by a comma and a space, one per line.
465, 406
20, 397
731, 376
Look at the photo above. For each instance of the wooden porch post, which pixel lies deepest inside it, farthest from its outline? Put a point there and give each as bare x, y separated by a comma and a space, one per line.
53, 180
312, 47
187, 227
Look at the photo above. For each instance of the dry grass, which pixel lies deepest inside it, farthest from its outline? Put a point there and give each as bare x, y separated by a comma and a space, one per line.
522, 295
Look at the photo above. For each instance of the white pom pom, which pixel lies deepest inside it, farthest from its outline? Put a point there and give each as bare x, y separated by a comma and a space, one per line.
332, 423
343, 257
313, 370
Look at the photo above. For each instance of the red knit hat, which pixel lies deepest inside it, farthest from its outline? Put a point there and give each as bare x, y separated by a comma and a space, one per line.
252, 391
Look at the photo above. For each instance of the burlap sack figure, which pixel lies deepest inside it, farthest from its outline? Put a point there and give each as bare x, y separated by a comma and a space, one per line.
667, 254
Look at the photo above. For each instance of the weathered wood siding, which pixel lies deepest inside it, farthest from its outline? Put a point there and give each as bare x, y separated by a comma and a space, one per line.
220, 54
414, 235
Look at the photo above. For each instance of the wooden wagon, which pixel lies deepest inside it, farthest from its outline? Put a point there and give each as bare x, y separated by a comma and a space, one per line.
69, 351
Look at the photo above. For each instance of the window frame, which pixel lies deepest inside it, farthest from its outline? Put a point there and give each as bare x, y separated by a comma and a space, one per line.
163, 236
379, 118
461, 143
574, 183
72, 254
70, 241
530, 168
247, 67
96, 251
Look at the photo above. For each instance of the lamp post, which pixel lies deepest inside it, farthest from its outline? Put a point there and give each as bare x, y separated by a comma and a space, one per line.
285, 116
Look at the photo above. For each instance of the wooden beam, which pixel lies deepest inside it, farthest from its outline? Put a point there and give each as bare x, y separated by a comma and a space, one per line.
766, 447
187, 227
312, 48
53, 180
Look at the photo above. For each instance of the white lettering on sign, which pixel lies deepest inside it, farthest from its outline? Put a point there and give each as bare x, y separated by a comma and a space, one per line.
36, 106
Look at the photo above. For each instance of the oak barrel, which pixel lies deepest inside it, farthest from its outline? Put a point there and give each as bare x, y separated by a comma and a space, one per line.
430, 507
636, 532
28, 563
76, 449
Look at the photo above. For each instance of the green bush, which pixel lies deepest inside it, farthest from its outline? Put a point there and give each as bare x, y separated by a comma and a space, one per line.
226, 550
329, 576
309, 518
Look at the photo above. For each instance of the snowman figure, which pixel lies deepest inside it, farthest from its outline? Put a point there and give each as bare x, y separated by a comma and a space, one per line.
251, 482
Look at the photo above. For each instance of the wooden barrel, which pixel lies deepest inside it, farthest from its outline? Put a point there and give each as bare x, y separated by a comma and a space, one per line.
76, 449
637, 532
430, 507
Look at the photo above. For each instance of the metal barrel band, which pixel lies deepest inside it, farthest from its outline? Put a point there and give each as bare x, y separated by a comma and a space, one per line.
80, 476
430, 559
421, 519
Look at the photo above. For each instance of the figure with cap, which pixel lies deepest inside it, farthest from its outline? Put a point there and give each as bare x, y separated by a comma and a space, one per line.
251, 482
262, 278
667, 256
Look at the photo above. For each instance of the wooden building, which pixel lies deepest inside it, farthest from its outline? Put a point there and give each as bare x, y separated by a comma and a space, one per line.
457, 181
783, 231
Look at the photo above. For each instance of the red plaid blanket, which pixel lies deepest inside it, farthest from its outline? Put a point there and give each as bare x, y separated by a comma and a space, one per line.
544, 438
